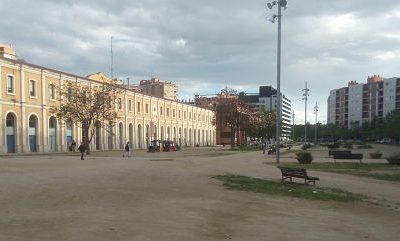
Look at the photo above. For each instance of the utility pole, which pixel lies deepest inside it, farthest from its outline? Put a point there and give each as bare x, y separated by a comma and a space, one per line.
316, 118
305, 96
280, 3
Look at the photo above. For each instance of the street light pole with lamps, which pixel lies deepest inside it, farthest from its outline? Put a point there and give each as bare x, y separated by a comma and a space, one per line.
316, 119
280, 3
305, 97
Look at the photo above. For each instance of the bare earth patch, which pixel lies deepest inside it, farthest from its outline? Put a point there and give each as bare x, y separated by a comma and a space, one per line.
108, 197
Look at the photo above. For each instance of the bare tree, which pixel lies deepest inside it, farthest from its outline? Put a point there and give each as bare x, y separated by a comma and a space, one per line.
233, 112
89, 106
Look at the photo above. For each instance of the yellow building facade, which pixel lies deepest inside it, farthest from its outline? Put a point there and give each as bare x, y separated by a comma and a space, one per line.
28, 91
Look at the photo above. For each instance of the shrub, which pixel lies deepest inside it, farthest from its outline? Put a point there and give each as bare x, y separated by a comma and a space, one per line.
375, 155
394, 159
365, 146
348, 145
304, 157
244, 147
334, 145
306, 146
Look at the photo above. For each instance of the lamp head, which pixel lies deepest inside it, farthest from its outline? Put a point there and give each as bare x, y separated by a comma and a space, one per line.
271, 4
272, 19
283, 3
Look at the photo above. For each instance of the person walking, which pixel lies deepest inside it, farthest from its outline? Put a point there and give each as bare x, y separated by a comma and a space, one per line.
264, 147
73, 145
126, 154
82, 149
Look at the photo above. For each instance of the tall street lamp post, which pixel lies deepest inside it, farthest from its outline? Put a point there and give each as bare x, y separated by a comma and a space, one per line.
305, 96
316, 121
280, 3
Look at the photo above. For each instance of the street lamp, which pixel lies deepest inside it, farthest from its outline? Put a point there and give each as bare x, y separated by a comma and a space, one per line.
316, 117
305, 96
280, 3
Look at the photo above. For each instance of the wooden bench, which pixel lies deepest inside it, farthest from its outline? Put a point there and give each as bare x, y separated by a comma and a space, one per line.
350, 156
290, 172
333, 152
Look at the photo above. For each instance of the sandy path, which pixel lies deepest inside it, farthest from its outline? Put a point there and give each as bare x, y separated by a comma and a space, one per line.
111, 198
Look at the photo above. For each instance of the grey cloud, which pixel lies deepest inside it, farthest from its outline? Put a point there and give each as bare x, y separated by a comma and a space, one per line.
205, 45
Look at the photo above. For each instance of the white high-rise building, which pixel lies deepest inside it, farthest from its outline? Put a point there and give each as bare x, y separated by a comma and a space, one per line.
267, 99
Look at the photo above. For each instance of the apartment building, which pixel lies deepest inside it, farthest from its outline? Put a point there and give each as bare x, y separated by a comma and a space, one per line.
28, 91
160, 89
358, 103
267, 99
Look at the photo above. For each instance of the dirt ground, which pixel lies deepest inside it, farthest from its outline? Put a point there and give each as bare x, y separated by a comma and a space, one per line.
172, 197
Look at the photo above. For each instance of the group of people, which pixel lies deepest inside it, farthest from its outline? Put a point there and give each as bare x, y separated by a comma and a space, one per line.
82, 149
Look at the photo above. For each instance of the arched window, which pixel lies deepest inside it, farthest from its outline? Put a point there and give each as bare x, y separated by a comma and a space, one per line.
32, 132
53, 133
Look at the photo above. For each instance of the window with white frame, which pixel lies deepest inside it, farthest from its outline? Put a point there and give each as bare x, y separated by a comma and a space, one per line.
138, 107
32, 88
52, 91
147, 108
130, 105
10, 84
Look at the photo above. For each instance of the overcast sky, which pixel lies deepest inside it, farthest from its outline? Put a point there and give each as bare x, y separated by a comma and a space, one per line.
206, 45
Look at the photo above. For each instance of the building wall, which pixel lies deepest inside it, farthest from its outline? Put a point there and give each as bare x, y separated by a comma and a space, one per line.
286, 118
355, 105
332, 107
149, 118
389, 95
161, 89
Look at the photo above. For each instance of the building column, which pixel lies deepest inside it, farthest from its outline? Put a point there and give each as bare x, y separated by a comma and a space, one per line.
62, 145
3, 148
45, 132
44, 143
22, 141
62, 137
103, 137
2, 123
114, 136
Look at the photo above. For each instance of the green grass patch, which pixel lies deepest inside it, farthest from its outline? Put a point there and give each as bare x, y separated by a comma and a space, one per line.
381, 171
250, 184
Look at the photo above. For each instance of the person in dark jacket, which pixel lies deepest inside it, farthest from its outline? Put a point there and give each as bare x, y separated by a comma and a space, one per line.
82, 149
73, 145
126, 154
